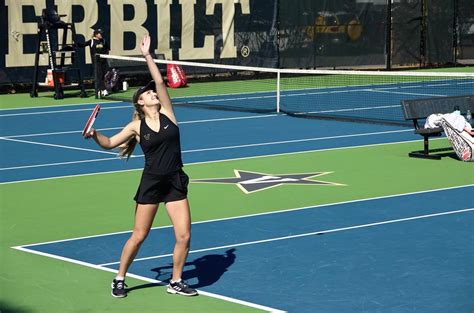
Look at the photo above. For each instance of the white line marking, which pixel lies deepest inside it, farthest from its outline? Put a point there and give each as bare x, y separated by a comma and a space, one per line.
56, 146
320, 232
120, 127
265, 213
406, 93
411, 85
294, 141
216, 161
47, 134
350, 109
227, 99
233, 118
209, 149
61, 106
142, 278
59, 163
63, 111
465, 83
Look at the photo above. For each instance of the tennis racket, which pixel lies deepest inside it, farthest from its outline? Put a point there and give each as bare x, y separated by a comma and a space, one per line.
91, 120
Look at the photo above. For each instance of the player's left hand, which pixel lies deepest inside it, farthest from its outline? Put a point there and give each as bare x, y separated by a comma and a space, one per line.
90, 134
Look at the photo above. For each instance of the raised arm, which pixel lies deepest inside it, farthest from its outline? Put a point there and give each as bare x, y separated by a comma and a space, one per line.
161, 89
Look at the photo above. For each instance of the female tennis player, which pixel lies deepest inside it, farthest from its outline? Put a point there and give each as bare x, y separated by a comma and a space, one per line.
154, 127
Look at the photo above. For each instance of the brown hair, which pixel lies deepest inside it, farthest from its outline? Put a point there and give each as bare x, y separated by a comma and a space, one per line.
126, 149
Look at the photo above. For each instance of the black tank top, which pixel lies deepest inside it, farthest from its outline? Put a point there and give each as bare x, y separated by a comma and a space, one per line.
162, 149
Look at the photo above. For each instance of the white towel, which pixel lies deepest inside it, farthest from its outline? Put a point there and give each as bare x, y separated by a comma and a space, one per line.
433, 121
455, 119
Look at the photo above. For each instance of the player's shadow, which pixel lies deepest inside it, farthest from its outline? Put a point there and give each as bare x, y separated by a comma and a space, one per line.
207, 269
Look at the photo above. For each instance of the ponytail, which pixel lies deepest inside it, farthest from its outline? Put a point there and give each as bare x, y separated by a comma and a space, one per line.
126, 149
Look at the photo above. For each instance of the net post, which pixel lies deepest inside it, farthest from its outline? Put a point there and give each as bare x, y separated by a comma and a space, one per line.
278, 92
455, 32
96, 82
388, 41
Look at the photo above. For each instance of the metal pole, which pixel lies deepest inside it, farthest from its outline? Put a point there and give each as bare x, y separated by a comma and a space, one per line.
388, 34
96, 82
424, 17
278, 92
455, 31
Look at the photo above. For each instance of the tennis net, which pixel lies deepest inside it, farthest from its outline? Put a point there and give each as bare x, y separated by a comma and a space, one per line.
369, 96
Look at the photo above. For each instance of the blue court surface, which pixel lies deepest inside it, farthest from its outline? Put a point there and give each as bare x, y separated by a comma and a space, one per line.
49, 143
389, 254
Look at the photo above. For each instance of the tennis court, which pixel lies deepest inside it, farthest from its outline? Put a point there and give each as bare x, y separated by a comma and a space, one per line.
289, 214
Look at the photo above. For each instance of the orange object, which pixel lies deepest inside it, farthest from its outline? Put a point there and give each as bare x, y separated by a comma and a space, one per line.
49, 78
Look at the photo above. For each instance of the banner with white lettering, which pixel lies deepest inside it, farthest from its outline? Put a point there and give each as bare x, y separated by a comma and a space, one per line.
270, 33
219, 31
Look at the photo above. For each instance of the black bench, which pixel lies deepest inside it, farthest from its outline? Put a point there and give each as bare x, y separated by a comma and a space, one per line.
418, 110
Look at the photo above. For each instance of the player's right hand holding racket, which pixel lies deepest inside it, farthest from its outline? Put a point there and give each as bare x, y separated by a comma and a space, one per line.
88, 131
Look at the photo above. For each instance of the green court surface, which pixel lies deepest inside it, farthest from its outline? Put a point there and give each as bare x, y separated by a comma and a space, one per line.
71, 207
44, 99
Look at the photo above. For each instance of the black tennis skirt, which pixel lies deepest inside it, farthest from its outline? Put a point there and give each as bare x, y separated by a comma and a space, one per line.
154, 188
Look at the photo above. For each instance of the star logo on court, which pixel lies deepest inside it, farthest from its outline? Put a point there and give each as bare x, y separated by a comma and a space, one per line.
250, 182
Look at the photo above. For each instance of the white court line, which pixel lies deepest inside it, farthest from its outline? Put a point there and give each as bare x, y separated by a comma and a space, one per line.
365, 90
319, 232
64, 111
49, 134
217, 161
233, 118
228, 99
295, 141
56, 146
61, 106
142, 278
349, 110
319, 206
203, 149
406, 93
129, 105
120, 127
361, 88
59, 163
177, 100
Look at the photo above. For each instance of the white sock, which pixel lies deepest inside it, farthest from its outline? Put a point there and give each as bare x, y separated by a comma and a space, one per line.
119, 278
175, 281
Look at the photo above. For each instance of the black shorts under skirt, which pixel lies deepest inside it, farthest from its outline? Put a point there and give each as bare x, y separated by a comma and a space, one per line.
154, 188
